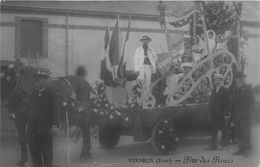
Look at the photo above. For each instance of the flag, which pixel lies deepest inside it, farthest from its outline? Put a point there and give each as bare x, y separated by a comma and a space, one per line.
105, 74
122, 65
114, 48
106, 38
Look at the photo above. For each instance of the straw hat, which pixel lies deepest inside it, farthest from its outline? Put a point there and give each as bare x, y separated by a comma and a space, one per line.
145, 38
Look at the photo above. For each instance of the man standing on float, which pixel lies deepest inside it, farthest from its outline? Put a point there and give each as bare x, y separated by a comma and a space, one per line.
145, 64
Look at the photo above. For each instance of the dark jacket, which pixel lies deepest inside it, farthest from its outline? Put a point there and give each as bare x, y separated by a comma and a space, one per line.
43, 112
242, 102
219, 104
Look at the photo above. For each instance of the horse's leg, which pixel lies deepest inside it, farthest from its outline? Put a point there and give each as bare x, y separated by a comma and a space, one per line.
20, 123
85, 129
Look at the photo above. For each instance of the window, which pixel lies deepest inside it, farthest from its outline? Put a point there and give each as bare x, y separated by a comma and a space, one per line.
31, 37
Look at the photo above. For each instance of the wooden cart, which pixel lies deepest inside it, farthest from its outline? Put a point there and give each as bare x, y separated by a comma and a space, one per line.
162, 126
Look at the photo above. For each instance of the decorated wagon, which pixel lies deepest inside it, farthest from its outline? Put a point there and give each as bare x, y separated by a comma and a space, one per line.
177, 104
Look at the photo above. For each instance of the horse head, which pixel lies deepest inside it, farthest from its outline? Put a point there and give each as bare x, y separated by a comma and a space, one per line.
8, 82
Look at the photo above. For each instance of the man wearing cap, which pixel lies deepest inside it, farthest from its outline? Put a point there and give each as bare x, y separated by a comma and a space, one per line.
43, 119
242, 106
219, 112
145, 62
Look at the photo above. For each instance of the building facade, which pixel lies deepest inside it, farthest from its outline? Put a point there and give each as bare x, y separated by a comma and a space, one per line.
68, 34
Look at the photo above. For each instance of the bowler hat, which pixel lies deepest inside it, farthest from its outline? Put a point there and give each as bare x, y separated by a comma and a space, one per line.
144, 38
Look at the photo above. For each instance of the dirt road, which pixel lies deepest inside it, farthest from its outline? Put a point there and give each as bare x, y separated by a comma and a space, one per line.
190, 153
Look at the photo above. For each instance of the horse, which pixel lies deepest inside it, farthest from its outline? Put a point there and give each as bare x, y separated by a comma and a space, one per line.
72, 93
16, 100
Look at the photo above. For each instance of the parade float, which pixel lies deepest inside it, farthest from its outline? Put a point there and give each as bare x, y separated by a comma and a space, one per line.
174, 109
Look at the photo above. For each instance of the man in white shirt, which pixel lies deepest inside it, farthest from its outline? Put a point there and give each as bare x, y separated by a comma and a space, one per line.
145, 63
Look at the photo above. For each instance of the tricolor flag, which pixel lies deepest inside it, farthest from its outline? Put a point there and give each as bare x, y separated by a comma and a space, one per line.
105, 74
114, 48
122, 65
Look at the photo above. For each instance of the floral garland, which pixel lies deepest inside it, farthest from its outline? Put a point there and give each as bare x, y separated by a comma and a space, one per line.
182, 22
106, 111
162, 7
134, 101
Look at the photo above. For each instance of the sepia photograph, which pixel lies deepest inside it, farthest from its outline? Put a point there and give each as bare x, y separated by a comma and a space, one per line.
142, 83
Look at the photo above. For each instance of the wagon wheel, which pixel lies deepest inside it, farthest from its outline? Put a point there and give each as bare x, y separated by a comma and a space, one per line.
164, 137
108, 137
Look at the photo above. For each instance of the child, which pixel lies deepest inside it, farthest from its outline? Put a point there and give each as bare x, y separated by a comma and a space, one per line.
219, 42
211, 40
197, 49
227, 36
222, 42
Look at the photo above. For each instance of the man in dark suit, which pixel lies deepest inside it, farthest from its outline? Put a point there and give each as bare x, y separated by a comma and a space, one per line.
43, 119
18, 107
16, 100
219, 112
242, 106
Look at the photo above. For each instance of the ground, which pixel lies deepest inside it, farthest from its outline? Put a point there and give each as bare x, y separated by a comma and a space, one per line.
190, 152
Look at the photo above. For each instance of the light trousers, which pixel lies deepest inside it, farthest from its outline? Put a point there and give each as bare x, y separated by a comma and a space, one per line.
145, 74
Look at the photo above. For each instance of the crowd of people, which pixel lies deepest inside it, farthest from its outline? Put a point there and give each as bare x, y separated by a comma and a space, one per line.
236, 108
199, 48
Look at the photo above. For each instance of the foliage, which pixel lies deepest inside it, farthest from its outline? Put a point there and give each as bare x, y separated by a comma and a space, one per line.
220, 16
106, 111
